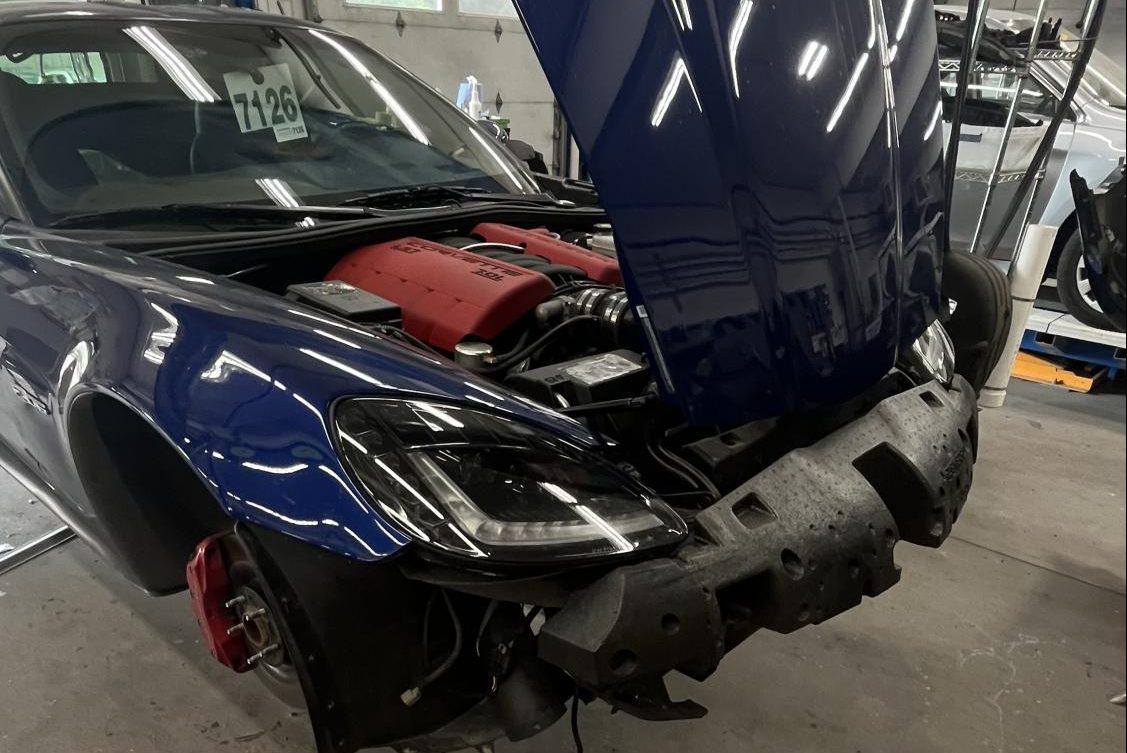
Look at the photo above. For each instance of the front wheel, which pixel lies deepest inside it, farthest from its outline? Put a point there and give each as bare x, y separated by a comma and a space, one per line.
1074, 287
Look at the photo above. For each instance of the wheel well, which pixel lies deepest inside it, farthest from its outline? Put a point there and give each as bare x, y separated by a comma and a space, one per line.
1067, 228
149, 502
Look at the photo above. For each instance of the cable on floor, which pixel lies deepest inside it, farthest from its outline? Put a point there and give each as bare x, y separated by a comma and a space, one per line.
575, 721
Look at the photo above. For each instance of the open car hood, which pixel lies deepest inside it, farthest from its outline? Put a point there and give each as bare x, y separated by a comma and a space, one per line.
773, 175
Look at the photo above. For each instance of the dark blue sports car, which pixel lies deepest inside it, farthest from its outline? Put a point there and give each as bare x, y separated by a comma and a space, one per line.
440, 445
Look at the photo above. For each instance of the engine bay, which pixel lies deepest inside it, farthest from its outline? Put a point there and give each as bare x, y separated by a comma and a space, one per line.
543, 312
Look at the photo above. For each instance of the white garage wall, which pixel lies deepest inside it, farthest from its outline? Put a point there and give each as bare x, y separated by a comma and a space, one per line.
444, 47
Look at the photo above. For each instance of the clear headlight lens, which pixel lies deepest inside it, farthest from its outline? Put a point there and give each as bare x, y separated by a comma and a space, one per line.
932, 356
482, 485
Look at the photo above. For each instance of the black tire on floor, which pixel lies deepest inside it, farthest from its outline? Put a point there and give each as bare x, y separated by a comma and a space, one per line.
981, 321
1068, 285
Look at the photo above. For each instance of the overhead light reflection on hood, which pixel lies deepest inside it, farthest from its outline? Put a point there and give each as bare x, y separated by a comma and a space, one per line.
344, 367
735, 38
934, 121
677, 73
858, 69
839, 108
337, 338
812, 58
684, 17
872, 39
905, 16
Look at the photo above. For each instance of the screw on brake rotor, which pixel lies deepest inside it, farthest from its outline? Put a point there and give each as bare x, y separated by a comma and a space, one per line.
257, 628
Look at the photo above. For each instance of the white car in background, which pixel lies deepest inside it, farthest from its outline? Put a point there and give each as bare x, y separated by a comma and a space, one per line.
1092, 140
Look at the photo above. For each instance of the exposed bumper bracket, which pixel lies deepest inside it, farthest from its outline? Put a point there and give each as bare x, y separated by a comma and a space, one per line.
798, 543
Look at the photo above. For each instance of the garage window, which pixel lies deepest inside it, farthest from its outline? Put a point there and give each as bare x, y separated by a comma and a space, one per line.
503, 8
434, 6
56, 68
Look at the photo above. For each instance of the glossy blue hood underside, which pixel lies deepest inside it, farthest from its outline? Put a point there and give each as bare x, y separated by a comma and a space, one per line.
773, 174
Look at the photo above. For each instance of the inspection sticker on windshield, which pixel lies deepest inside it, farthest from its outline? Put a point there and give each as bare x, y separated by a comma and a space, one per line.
269, 102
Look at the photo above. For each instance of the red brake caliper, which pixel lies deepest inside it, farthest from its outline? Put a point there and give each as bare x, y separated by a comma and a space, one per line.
211, 594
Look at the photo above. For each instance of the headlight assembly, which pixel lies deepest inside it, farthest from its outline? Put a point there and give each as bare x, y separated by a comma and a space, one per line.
932, 356
482, 485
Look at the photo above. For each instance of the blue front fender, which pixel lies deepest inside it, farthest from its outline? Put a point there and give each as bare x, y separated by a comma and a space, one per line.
241, 382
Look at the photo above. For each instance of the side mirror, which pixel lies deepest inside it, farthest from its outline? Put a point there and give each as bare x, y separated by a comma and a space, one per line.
497, 129
528, 155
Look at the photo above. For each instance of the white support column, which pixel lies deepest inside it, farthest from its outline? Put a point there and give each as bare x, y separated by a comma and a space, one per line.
1026, 273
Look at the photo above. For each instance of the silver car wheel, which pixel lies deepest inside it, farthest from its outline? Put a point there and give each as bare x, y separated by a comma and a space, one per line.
1084, 286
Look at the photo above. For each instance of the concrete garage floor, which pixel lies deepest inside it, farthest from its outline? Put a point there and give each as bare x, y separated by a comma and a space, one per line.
1010, 638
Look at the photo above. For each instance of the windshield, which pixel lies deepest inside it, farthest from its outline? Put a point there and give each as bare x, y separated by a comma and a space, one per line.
1104, 80
103, 116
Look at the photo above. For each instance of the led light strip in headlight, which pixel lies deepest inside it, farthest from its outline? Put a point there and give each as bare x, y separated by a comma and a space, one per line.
478, 484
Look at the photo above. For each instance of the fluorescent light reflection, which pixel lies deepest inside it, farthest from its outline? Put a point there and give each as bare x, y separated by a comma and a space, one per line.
735, 38
186, 78
377, 86
161, 339
227, 362
905, 16
277, 470
934, 121
847, 95
344, 367
681, 10
813, 55
279, 192
678, 73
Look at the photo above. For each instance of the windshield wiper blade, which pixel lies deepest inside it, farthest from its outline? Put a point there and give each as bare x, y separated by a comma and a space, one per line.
284, 215
427, 194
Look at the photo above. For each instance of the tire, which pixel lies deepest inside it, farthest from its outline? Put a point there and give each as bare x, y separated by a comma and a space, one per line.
981, 322
1073, 287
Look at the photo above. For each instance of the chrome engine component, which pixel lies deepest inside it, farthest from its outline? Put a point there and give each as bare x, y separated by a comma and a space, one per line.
473, 355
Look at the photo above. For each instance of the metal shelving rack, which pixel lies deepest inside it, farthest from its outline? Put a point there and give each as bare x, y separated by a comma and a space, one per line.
1022, 70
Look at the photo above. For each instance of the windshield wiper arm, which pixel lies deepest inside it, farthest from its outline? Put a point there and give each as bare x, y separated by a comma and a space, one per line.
313, 72
284, 215
427, 194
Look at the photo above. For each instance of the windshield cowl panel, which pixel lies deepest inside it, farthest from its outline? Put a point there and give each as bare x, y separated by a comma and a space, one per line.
106, 116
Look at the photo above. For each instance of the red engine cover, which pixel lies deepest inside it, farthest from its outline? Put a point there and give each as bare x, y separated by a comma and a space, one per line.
598, 267
446, 294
